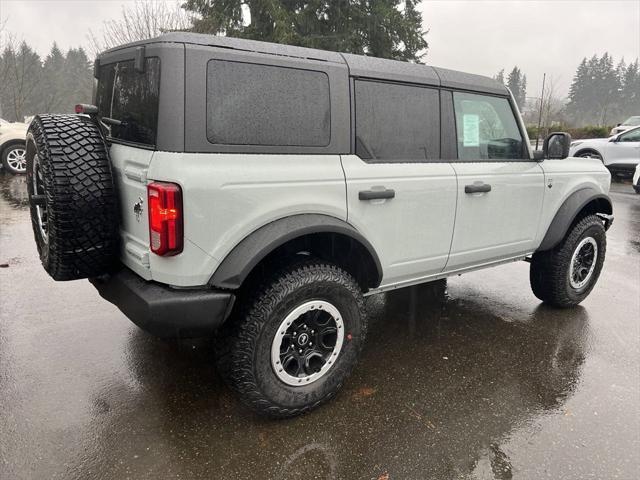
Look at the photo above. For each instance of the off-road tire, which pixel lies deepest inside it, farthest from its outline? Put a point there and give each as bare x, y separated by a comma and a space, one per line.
244, 343
81, 236
549, 272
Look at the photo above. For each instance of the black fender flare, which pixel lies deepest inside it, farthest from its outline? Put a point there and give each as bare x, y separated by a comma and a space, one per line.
237, 265
568, 212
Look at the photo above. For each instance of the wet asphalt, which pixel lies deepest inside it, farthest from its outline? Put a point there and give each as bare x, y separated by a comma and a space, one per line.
473, 379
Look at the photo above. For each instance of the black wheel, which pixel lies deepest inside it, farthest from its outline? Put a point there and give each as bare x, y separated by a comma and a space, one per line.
72, 199
296, 341
14, 159
590, 154
565, 275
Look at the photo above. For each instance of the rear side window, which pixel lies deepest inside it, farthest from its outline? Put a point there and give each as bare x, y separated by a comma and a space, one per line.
486, 128
396, 123
250, 104
132, 98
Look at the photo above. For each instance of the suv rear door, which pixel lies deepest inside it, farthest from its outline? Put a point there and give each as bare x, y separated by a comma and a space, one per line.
500, 189
400, 194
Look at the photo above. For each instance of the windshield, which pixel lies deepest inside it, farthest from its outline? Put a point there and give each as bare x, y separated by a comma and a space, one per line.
632, 121
130, 97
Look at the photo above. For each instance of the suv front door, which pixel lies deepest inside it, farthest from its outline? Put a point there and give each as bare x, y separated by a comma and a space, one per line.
625, 150
500, 190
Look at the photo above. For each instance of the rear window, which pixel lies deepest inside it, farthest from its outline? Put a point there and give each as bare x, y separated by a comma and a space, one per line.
250, 104
132, 98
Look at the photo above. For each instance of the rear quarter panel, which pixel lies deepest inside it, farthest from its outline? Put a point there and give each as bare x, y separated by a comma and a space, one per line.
228, 196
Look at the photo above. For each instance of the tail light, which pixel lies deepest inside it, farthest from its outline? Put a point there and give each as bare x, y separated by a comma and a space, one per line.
165, 218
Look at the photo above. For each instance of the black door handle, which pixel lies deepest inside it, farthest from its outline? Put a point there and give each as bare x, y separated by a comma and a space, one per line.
376, 194
477, 188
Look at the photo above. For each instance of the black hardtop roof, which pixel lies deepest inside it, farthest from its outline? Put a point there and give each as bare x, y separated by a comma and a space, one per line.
359, 65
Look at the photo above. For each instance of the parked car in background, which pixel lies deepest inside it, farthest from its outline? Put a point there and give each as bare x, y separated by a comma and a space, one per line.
620, 153
626, 125
636, 179
12, 146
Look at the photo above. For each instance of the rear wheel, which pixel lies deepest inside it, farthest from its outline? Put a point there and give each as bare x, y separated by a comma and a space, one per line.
72, 198
295, 342
14, 159
565, 275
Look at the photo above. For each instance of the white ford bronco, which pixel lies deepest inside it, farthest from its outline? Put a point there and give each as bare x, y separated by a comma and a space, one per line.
256, 193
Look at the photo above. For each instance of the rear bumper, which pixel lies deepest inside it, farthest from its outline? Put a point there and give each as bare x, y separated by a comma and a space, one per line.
164, 311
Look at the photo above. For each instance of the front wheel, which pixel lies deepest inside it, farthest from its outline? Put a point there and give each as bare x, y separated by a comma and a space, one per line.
565, 275
294, 344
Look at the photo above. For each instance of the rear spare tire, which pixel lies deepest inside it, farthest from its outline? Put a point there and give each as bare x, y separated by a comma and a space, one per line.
72, 198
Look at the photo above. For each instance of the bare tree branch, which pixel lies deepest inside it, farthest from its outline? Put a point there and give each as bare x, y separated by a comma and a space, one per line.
139, 21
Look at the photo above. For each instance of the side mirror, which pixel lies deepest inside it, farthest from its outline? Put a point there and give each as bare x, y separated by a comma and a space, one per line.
556, 146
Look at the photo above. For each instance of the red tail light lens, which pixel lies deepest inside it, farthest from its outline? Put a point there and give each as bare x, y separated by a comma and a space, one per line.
165, 218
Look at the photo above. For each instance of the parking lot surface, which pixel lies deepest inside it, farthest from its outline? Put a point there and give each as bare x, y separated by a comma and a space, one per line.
473, 379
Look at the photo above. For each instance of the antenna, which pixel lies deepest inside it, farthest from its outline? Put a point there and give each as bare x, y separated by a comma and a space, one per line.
544, 77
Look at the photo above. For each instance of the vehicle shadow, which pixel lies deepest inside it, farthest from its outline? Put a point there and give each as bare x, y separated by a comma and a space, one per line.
441, 383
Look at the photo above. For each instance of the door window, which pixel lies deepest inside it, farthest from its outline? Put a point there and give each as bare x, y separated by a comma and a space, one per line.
486, 128
632, 136
396, 123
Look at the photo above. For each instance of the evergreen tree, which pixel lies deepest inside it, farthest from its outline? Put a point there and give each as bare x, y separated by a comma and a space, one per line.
78, 79
602, 94
500, 76
629, 89
577, 105
517, 83
54, 82
29, 86
381, 28
20, 79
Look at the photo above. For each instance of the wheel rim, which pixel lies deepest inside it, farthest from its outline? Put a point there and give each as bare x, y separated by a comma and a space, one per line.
307, 343
41, 207
17, 159
583, 262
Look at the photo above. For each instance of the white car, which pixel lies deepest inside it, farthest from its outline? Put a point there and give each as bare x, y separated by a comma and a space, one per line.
626, 125
636, 179
12, 146
620, 153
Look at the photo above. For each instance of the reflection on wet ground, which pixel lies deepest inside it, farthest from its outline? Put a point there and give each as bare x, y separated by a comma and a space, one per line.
473, 379
14, 190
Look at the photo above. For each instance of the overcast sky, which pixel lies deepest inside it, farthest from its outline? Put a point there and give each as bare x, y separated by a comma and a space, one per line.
475, 36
